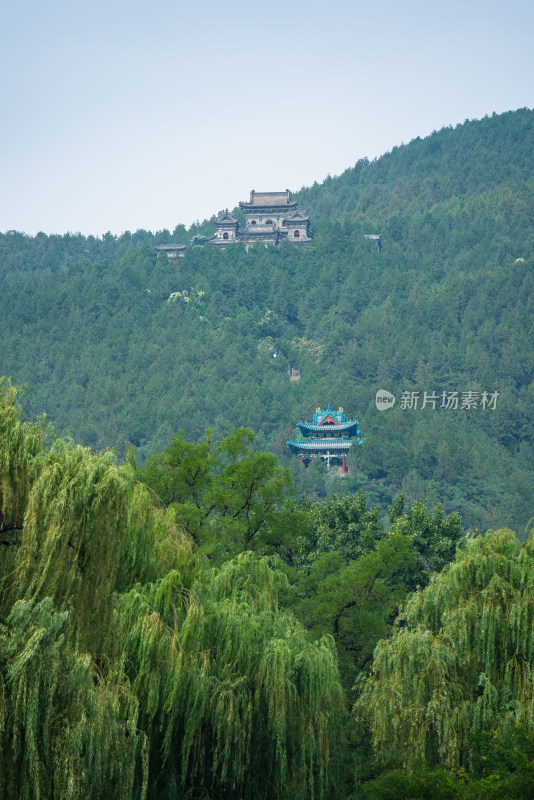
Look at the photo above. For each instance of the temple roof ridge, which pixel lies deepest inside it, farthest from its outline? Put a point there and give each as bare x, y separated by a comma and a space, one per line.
268, 199
297, 213
226, 216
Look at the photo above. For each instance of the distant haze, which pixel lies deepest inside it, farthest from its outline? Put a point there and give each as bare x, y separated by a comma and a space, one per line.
127, 115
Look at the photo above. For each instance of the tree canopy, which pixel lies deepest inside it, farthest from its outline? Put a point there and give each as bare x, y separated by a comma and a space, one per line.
460, 663
128, 661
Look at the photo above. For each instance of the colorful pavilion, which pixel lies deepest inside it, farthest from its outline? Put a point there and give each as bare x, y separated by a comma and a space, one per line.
328, 436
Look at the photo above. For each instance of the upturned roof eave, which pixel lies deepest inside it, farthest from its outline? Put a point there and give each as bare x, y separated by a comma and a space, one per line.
342, 427
343, 445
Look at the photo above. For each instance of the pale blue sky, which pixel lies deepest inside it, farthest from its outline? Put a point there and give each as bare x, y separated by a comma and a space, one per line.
122, 115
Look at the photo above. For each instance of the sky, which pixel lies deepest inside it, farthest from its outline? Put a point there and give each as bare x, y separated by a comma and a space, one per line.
123, 115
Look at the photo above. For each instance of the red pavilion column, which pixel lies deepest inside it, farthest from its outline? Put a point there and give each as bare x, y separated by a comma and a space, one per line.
344, 466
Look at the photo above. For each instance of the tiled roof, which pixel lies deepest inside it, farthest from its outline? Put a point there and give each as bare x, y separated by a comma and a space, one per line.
297, 214
321, 446
350, 427
226, 216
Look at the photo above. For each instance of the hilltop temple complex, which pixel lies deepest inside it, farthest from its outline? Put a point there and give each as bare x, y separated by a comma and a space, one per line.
270, 217
328, 436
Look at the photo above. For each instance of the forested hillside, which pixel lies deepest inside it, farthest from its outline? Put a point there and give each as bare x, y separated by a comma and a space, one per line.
119, 346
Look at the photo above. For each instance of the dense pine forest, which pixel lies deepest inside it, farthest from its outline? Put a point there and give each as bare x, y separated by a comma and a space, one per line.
186, 612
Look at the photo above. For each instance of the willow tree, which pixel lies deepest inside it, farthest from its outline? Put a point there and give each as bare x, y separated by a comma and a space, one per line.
21, 444
237, 700
74, 527
66, 731
462, 660
70, 542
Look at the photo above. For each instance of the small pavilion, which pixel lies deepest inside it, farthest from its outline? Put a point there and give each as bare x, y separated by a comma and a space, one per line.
329, 437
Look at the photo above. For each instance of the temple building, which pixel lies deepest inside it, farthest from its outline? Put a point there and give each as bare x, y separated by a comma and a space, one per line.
227, 230
172, 251
269, 218
328, 436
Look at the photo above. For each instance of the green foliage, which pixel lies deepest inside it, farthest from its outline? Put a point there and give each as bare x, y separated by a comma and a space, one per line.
21, 444
460, 663
351, 577
355, 602
504, 768
436, 537
70, 543
238, 697
420, 785
127, 666
152, 541
347, 581
226, 495
342, 525
66, 731
505, 772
